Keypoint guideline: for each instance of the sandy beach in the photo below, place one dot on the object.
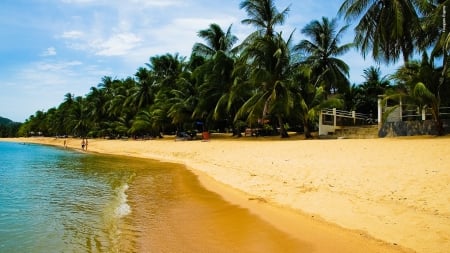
(344, 195)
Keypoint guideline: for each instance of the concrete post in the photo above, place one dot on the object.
(334, 118)
(380, 112)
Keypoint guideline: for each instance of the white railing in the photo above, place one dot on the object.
(332, 119)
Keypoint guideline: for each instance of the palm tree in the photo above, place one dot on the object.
(264, 15)
(142, 93)
(387, 28)
(269, 60)
(166, 69)
(421, 80)
(322, 50)
(216, 40)
(268, 57)
(310, 97)
(79, 117)
(436, 34)
(374, 85)
(214, 78)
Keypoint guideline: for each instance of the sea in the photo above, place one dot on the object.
(63, 200)
(56, 200)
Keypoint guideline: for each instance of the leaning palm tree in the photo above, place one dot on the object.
(322, 50)
(386, 28)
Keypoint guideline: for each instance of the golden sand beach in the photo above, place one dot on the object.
(344, 195)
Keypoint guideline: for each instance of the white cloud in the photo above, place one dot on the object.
(118, 44)
(72, 34)
(51, 51)
(140, 3)
(56, 66)
(157, 3)
(42, 85)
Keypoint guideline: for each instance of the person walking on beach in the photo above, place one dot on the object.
(83, 143)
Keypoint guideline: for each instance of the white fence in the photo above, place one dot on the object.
(332, 119)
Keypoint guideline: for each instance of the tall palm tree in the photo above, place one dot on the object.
(214, 77)
(386, 28)
(143, 92)
(215, 40)
(322, 50)
(79, 117)
(269, 60)
(268, 57)
(166, 69)
(264, 15)
(95, 101)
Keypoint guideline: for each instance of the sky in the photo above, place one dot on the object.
(49, 48)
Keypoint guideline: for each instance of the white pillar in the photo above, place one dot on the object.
(334, 118)
(380, 112)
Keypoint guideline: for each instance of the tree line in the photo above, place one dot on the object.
(268, 80)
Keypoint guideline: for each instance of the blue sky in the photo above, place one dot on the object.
(52, 47)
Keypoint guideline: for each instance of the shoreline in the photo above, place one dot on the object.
(394, 190)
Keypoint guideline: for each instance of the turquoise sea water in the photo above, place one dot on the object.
(56, 200)
(60, 200)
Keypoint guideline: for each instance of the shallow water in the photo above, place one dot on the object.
(58, 200)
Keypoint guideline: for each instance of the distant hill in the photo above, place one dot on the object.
(5, 121)
(8, 128)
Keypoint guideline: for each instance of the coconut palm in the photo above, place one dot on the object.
(142, 93)
(166, 69)
(264, 15)
(386, 28)
(421, 81)
(322, 50)
(214, 77)
(216, 40)
(436, 16)
(374, 85)
(269, 60)
(79, 117)
(310, 96)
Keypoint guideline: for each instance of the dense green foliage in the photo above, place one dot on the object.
(268, 81)
(8, 128)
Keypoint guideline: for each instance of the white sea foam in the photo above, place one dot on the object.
(122, 209)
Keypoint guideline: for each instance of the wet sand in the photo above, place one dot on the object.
(379, 195)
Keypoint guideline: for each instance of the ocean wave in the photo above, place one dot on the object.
(122, 209)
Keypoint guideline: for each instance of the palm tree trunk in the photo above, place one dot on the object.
(283, 132)
(306, 129)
